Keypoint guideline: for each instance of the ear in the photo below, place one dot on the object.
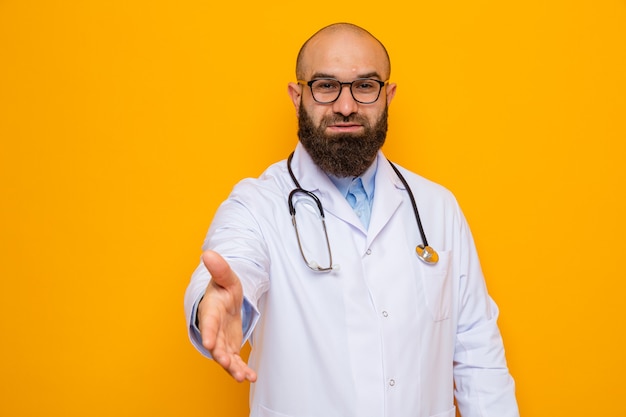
(295, 92)
(390, 92)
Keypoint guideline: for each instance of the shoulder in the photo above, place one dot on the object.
(423, 187)
(271, 183)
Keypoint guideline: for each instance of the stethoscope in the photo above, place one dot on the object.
(424, 252)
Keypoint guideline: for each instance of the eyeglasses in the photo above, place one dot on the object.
(328, 90)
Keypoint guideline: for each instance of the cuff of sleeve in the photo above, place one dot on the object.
(249, 317)
(194, 332)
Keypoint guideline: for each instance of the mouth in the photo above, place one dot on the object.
(344, 128)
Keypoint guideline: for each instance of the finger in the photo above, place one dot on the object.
(240, 370)
(209, 328)
(210, 318)
(229, 359)
(218, 268)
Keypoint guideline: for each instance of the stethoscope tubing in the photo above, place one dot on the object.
(413, 203)
(425, 253)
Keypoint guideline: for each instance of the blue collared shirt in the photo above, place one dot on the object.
(368, 177)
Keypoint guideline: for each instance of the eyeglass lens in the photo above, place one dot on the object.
(364, 90)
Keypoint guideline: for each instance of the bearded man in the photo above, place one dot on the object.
(322, 263)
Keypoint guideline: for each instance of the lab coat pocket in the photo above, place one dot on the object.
(266, 412)
(437, 284)
(449, 413)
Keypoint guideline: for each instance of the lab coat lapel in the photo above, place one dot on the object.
(388, 195)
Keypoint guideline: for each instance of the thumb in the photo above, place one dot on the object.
(219, 269)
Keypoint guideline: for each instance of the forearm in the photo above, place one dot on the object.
(483, 384)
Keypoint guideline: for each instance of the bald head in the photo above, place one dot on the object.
(342, 33)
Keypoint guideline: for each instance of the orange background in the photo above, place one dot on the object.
(123, 124)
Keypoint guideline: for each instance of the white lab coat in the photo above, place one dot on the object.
(384, 334)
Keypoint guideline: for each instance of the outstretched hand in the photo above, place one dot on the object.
(219, 317)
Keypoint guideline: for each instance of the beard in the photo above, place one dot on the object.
(344, 154)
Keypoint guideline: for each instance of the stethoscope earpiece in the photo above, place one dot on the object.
(427, 254)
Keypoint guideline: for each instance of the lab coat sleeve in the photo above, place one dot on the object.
(483, 384)
(235, 235)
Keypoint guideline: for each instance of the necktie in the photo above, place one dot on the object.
(357, 198)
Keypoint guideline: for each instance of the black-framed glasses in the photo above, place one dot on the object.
(328, 90)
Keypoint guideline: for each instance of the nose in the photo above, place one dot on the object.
(345, 103)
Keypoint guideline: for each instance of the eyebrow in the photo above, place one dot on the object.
(372, 74)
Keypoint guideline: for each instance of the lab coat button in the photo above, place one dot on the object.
(385, 314)
(392, 382)
(368, 252)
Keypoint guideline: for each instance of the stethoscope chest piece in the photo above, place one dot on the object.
(427, 254)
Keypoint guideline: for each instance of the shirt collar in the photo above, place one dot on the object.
(343, 183)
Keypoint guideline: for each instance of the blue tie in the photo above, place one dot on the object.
(357, 198)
